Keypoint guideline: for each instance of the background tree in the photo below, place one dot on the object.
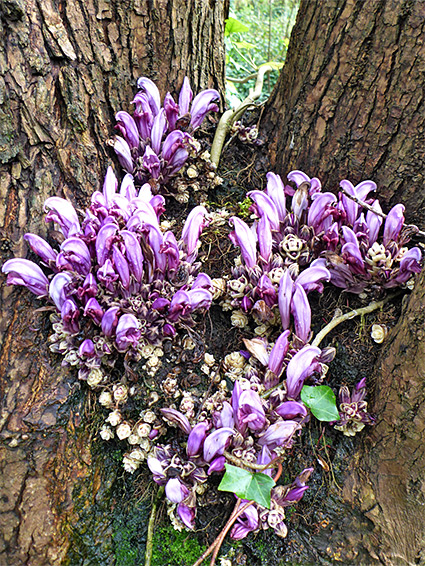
(65, 69)
(349, 104)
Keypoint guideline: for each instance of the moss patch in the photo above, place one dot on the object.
(174, 548)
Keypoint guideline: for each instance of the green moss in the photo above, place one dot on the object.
(174, 548)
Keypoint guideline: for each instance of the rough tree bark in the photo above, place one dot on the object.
(65, 69)
(349, 104)
(349, 101)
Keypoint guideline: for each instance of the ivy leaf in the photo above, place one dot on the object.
(234, 26)
(321, 401)
(247, 485)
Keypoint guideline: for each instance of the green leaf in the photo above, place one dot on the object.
(234, 26)
(247, 485)
(321, 401)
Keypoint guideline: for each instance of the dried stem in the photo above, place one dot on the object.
(151, 525)
(352, 314)
(230, 116)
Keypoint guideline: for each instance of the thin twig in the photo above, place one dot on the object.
(151, 525)
(352, 314)
(377, 212)
(240, 462)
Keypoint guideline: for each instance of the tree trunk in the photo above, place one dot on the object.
(65, 69)
(349, 104)
(349, 101)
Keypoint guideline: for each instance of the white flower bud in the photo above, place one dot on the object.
(114, 418)
(143, 430)
(94, 378)
(234, 362)
(133, 439)
(379, 332)
(105, 399)
(123, 431)
(120, 393)
(209, 359)
(219, 287)
(106, 433)
(149, 417)
(192, 172)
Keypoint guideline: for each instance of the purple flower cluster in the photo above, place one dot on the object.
(353, 410)
(156, 141)
(348, 247)
(245, 428)
(117, 281)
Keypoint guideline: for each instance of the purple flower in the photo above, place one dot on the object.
(121, 266)
(193, 227)
(276, 192)
(175, 490)
(41, 248)
(77, 255)
(216, 443)
(185, 97)
(243, 237)
(299, 368)
(156, 468)
(265, 240)
(127, 332)
(199, 298)
(278, 353)
(63, 213)
(94, 310)
(266, 291)
(133, 253)
(109, 321)
(70, 315)
(279, 434)
(171, 110)
(250, 411)
(360, 191)
(374, 222)
(264, 206)
(159, 127)
(196, 439)
(201, 105)
(177, 418)
(59, 288)
(217, 465)
(393, 224)
(104, 241)
(27, 273)
(128, 128)
(151, 91)
(187, 515)
(86, 349)
(291, 410)
(122, 149)
(151, 162)
(300, 308)
(246, 522)
(311, 278)
(286, 289)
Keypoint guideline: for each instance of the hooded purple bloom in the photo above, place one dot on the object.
(320, 210)
(86, 349)
(173, 142)
(127, 332)
(110, 321)
(151, 162)
(286, 289)
(393, 224)
(193, 227)
(128, 128)
(177, 418)
(199, 298)
(279, 434)
(171, 110)
(201, 105)
(276, 191)
(104, 241)
(299, 368)
(300, 308)
(121, 266)
(185, 97)
(63, 213)
(264, 206)
(374, 222)
(151, 91)
(409, 264)
(187, 515)
(175, 490)
(216, 443)
(108, 276)
(291, 410)
(243, 237)
(196, 439)
(246, 523)
(265, 240)
(266, 291)
(159, 127)
(59, 288)
(217, 465)
(27, 273)
(122, 149)
(360, 191)
(143, 115)
(41, 248)
(76, 253)
(311, 278)
(156, 468)
(133, 253)
(250, 411)
(179, 306)
(94, 310)
(278, 353)
(70, 315)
